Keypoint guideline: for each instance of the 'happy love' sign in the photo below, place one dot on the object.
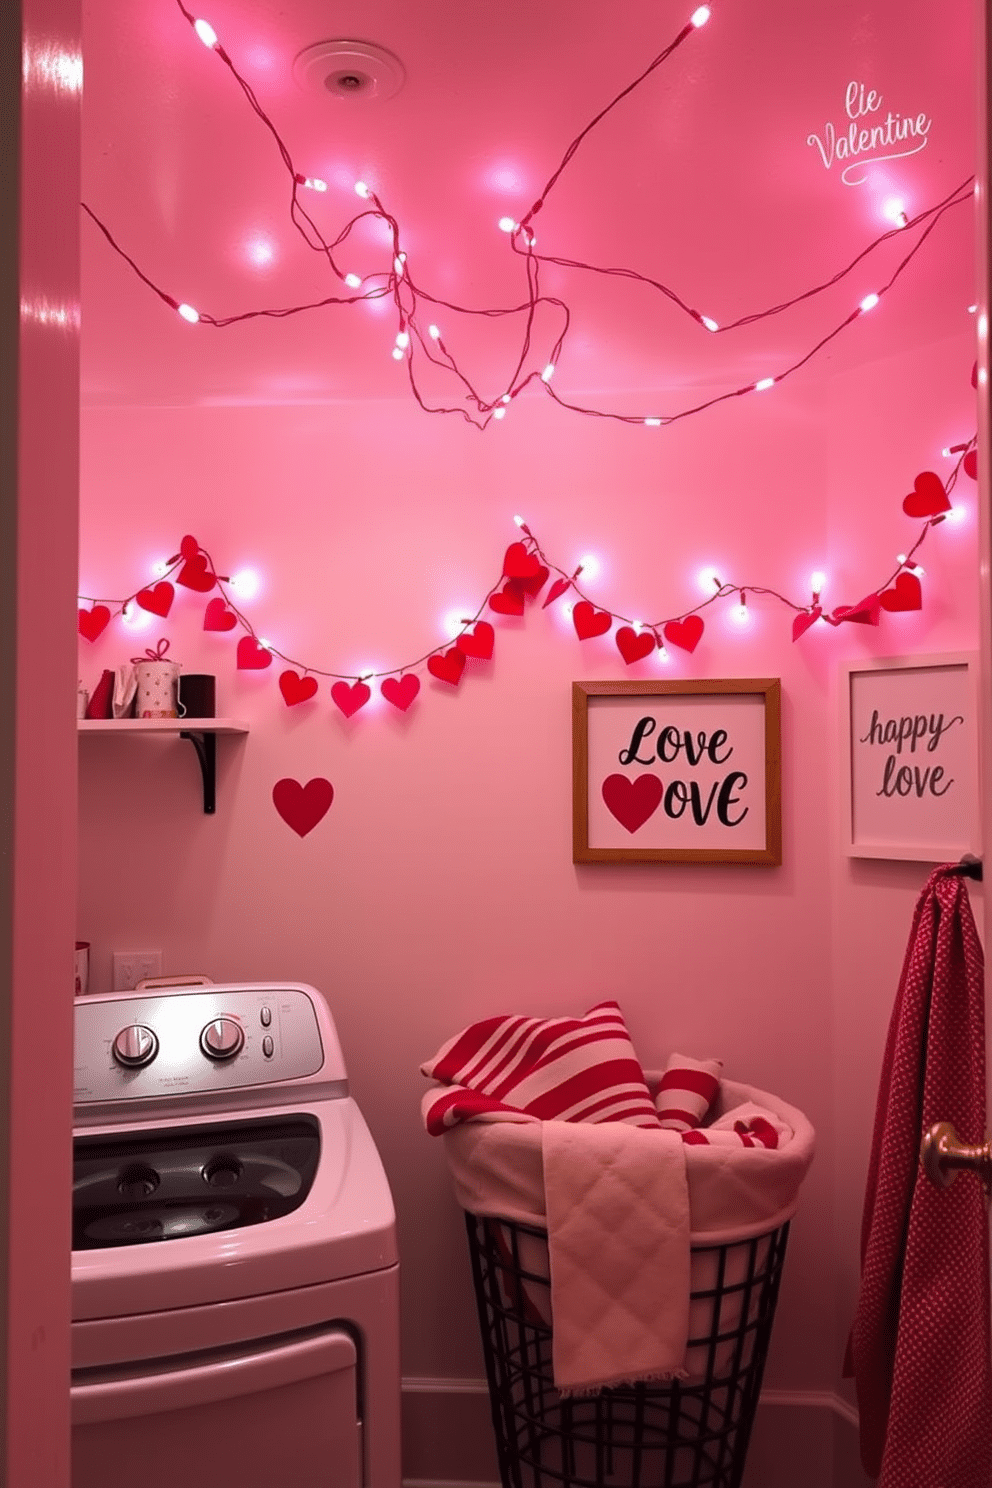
(676, 771)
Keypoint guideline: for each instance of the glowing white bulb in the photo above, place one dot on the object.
(972, 309)
(403, 339)
(739, 614)
(505, 398)
(499, 413)
(245, 584)
(134, 617)
(895, 211)
(637, 625)
(955, 515)
(362, 190)
(869, 302)
(701, 16)
(652, 423)
(519, 521)
(398, 262)
(188, 313)
(589, 565)
(818, 582)
(397, 353)
(506, 224)
(315, 183)
(353, 281)
(900, 557)
(265, 643)
(709, 323)
(763, 383)
(708, 580)
(663, 655)
(434, 332)
(548, 372)
(206, 33)
(160, 569)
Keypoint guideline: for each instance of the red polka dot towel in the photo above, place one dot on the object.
(919, 1346)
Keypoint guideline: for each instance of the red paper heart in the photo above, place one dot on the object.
(479, 641)
(296, 689)
(519, 563)
(632, 801)
(906, 594)
(447, 666)
(634, 645)
(970, 464)
(927, 497)
(196, 575)
(686, 634)
(401, 691)
(94, 622)
(251, 656)
(589, 621)
(532, 585)
(218, 617)
(804, 620)
(558, 588)
(865, 612)
(507, 601)
(974, 375)
(302, 806)
(350, 696)
(158, 600)
(189, 547)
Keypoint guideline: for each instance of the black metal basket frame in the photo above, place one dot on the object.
(691, 1434)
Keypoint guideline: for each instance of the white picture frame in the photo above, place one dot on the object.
(909, 753)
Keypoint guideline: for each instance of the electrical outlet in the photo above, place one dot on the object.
(132, 967)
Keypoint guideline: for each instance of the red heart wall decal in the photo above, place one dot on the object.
(401, 691)
(447, 666)
(479, 641)
(518, 563)
(927, 497)
(632, 801)
(302, 806)
(251, 656)
(351, 696)
(218, 617)
(196, 575)
(296, 689)
(157, 600)
(970, 464)
(589, 621)
(508, 600)
(634, 645)
(94, 622)
(804, 620)
(906, 594)
(686, 634)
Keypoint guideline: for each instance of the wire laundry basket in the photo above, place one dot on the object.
(685, 1434)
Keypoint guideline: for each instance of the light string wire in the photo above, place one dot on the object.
(399, 285)
(566, 581)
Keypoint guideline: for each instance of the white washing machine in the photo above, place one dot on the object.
(235, 1280)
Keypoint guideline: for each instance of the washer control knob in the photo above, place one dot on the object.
(222, 1172)
(134, 1046)
(222, 1039)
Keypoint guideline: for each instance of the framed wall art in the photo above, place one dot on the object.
(677, 772)
(909, 752)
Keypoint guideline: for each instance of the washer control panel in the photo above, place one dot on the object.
(188, 1043)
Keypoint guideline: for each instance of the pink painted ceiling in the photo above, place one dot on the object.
(706, 177)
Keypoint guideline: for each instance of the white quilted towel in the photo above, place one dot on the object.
(617, 1204)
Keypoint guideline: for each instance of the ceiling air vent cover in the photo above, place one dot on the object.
(349, 69)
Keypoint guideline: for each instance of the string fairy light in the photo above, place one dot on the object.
(397, 283)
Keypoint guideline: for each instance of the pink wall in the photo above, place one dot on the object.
(440, 886)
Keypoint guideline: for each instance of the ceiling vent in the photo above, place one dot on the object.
(349, 70)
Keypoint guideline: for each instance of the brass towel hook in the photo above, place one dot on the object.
(944, 1156)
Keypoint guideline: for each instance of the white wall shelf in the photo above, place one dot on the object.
(201, 733)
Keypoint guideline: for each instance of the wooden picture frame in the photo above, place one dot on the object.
(677, 772)
(909, 758)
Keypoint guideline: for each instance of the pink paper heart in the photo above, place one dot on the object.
(632, 801)
(804, 620)
(589, 621)
(251, 656)
(218, 617)
(686, 634)
(447, 666)
(634, 645)
(351, 696)
(478, 641)
(93, 622)
(158, 599)
(302, 806)
(927, 498)
(400, 691)
(905, 594)
(296, 689)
